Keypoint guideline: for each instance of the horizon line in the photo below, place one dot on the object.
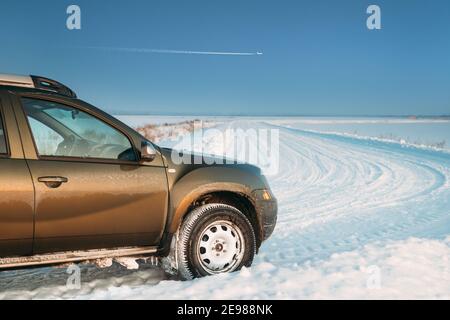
(284, 115)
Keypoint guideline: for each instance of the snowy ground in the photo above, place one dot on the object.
(358, 218)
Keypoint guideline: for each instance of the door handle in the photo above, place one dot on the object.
(53, 182)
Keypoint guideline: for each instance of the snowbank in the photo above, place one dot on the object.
(408, 269)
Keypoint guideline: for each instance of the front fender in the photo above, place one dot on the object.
(201, 181)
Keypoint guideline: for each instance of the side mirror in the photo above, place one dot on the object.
(148, 152)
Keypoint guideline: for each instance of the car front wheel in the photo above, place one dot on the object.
(214, 238)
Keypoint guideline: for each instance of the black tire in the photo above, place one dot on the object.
(197, 232)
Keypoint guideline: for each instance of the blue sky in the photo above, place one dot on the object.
(319, 57)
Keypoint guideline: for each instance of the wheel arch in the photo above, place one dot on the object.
(240, 201)
(235, 195)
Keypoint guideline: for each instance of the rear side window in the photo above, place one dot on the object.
(3, 149)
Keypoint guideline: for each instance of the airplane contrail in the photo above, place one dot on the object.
(144, 50)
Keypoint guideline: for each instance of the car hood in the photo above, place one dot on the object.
(192, 160)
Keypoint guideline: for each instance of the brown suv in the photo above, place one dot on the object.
(77, 184)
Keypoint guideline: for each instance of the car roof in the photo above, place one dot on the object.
(16, 80)
(35, 83)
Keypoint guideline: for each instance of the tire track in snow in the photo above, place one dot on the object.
(340, 194)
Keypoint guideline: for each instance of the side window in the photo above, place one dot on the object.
(62, 131)
(47, 139)
(3, 149)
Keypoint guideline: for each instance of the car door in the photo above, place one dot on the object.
(16, 188)
(91, 190)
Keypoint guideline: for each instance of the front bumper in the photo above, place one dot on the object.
(267, 208)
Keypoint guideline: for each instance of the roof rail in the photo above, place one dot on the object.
(52, 85)
(36, 82)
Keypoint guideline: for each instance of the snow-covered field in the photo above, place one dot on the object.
(358, 218)
(424, 132)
